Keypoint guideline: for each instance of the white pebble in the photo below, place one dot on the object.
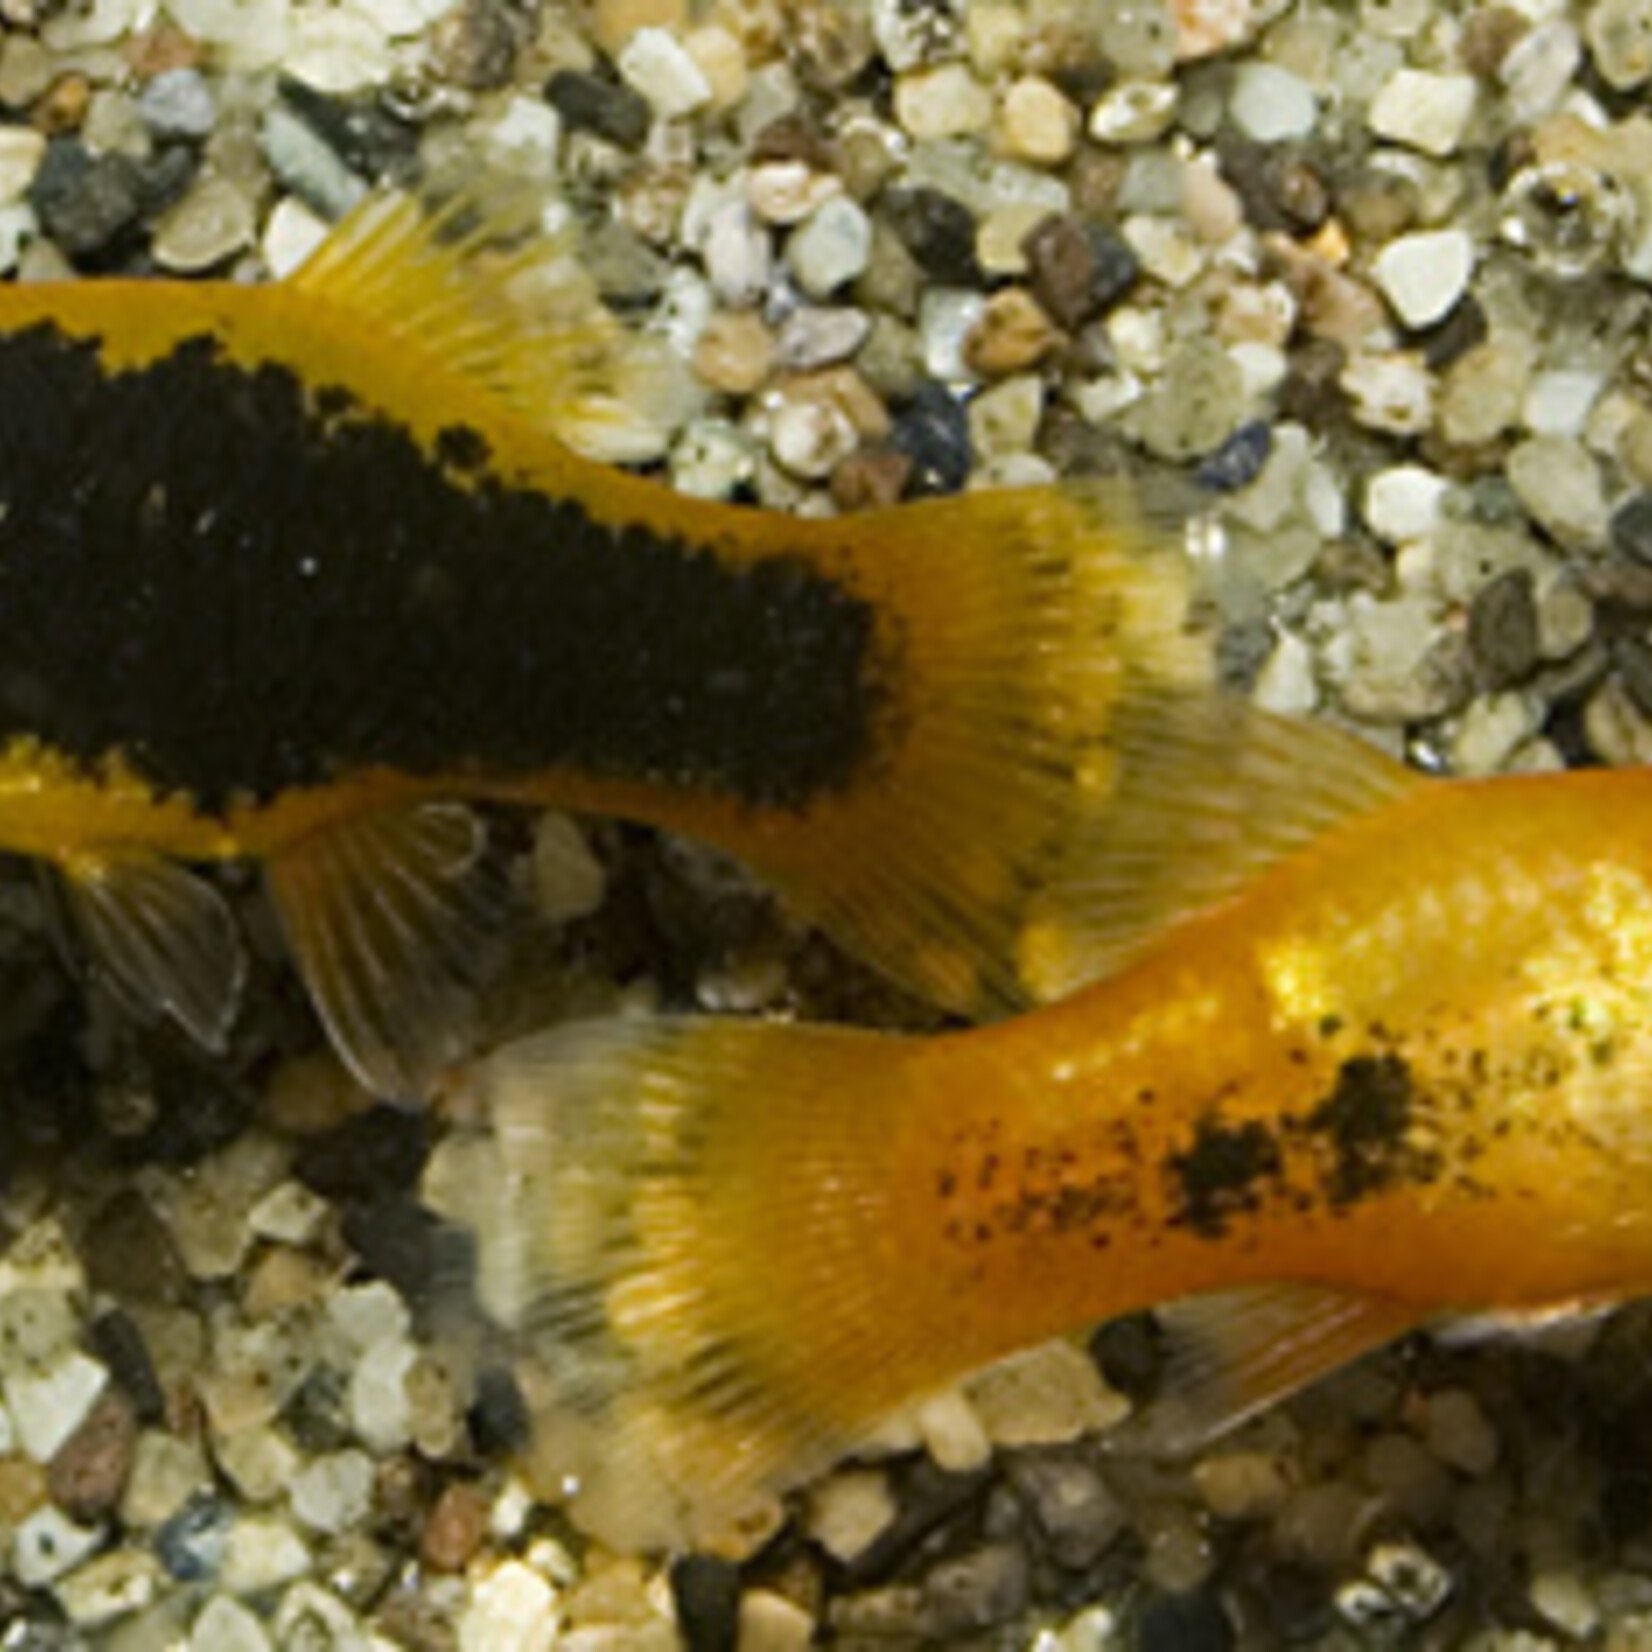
(370, 1313)
(1271, 104)
(224, 1625)
(291, 235)
(289, 1213)
(830, 247)
(114, 1585)
(1403, 502)
(1037, 123)
(656, 64)
(381, 1410)
(1389, 392)
(1539, 70)
(738, 260)
(1423, 110)
(1424, 274)
(1133, 112)
(848, 1512)
(946, 318)
(336, 51)
(1168, 253)
(47, 1544)
(21, 152)
(810, 436)
(817, 335)
(952, 1432)
(1286, 682)
(1559, 400)
(1620, 41)
(769, 1622)
(48, 1406)
(334, 1492)
(527, 132)
(1557, 480)
(262, 1553)
(513, 1609)
(1045, 1396)
(943, 102)
(1570, 1603)
(1488, 732)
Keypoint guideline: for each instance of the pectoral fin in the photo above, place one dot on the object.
(1232, 1354)
(160, 936)
(394, 922)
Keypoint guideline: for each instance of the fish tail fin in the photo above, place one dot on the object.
(683, 1220)
(1061, 776)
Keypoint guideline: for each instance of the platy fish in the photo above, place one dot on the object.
(1372, 1050)
(294, 571)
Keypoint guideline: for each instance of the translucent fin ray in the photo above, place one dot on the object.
(394, 921)
(1232, 1354)
(161, 936)
(477, 279)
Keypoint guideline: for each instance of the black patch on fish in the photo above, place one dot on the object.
(1220, 1174)
(1366, 1121)
(245, 585)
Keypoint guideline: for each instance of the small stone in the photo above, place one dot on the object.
(1133, 112)
(1403, 1585)
(1074, 1508)
(933, 432)
(938, 231)
(289, 1213)
(1270, 104)
(88, 1474)
(1286, 683)
(512, 1609)
(1458, 1432)
(1488, 734)
(1239, 460)
(1503, 628)
(909, 35)
(178, 103)
(47, 1406)
(947, 318)
(166, 1472)
(848, 1512)
(455, 1528)
(1559, 400)
(943, 102)
(1568, 1601)
(291, 233)
(1631, 527)
(47, 1544)
(1036, 123)
(1012, 333)
(224, 1625)
(114, 1585)
(1195, 406)
(831, 247)
(737, 256)
(1423, 275)
(1424, 110)
(1557, 480)
(334, 1492)
(84, 202)
(657, 65)
(259, 1462)
(1004, 420)
(809, 437)
(1043, 1397)
(1392, 392)
(380, 1406)
(589, 103)
(1165, 249)
(263, 1553)
(818, 335)
(787, 190)
(1482, 392)
(978, 1590)
(569, 881)
(769, 1622)
(1193, 1622)
(1243, 1485)
(22, 149)
(192, 1544)
(1619, 33)
(1402, 503)
(1538, 70)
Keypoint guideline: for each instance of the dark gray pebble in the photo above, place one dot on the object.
(129, 1254)
(933, 432)
(499, 1420)
(362, 133)
(1502, 628)
(938, 231)
(1633, 658)
(706, 1592)
(1129, 1353)
(426, 1259)
(191, 1544)
(117, 1341)
(589, 103)
(1239, 460)
(1631, 527)
(370, 1156)
(1073, 1507)
(1463, 327)
(1076, 269)
(85, 203)
(986, 1587)
(1184, 1623)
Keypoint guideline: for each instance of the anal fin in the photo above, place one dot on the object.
(161, 937)
(394, 921)
(1232, 1354)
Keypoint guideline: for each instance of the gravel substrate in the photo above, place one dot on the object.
(1360, 291)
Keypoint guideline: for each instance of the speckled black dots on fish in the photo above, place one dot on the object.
(432, 622)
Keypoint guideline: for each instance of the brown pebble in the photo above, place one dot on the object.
(455, 1529)
(1013, 333)
(88, 1474)
(1311, 393)
(22, 1490)
(1376, 206)
(312, 1094)
(870, 478)
(129, 1253)
(63, 108)
(157, 50)
(793, 137)
(734, 352)
(284, 1279)
(1489, 34)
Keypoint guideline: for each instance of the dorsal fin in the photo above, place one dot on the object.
(477, 279)
(1201, 792)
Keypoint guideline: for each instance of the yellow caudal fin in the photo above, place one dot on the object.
(1061, 778)
(684, 1220)
(477, 280)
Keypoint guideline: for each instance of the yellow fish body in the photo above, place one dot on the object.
(1375, 1051)
(288, 571)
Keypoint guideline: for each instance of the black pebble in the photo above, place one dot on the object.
(707, 1596)
(1463, 327)
(1631, 527)
(1184, 1623)
(588, 103)
(499, 1420)
(1296, 1602)
(370, 1156)
(165, 176)
(938, 231)
(198, 1106)
(933, 432)
(1239, 460)
(1129, 1353)
(86, 203)
(410, 1248)
(1502, 628)
(117, 1341)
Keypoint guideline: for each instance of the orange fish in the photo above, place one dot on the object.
(290, 572)
(1373, 1050)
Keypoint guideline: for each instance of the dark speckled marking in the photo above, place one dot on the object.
(1366, 1120)
(1220, 1175)
(244, 585)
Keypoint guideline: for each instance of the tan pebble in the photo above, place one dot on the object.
(720, 57)
(1204, 27)
(22, 1490)
(1489, 34)
(455, 1529)
(284, 1279)
(1001, 235)
(89, 1472)
(870, 480)
(734, 352)
(64, 106)
(311, 1094)
(845, 389)
(761, 26)
(769, 1622)
(615, 22)
(1036, 123)
(1012, 333)
(1635, 446)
